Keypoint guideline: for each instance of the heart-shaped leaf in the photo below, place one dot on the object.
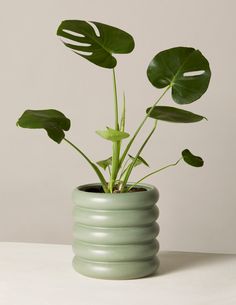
(139, 161)
(112, 134)
(175, 115)
(53, 121)
(95, 41)
(186, 70)
(192, 159)
(105, 163)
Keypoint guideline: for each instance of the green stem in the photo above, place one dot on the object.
(95, 168)
(152, 173)
(115, 145)
(124, 169)
(122, 121)
(131, 166)
(140, 127)
(115, 100)
(109, 170)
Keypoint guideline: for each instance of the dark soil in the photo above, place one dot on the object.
(99, 189)
(137, 189)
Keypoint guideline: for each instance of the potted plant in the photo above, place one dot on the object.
(115, 220)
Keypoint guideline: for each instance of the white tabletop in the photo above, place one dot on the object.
(41, 274)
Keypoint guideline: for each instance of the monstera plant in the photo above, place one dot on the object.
(183, 71)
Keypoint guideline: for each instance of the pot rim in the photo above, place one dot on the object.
(146, 186)
(115, 201)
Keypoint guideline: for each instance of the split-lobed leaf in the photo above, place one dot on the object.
(95, 41)
(191, 159)
(184, 69)
(175, 115)
(53, 121)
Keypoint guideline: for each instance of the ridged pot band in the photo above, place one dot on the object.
(115, 234)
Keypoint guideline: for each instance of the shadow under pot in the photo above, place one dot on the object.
(115, 234)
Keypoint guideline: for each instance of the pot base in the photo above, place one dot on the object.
(116, 270)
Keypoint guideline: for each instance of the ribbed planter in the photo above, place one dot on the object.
(115, 234)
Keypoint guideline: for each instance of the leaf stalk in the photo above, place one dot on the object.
(140, 126)
(116, 144)
(93, 165)
(152, 173)
(131, 166)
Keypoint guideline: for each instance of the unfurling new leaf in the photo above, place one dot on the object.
(139, 161)
(112, 134)
(105, 163)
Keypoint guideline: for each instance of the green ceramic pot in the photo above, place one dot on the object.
(115, 234)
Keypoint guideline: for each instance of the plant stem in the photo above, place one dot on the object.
(122, 121)
(95, 168)
(124, 169)
(131, 166)
(115, 145)
(115, 100)
(140, 126)
(152, 173)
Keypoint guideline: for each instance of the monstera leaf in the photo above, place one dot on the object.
(139, 161)
(53, 121)
(112, 134)
(105, 163)
(95, 41)
(175, 115)
(192, 159)
(185, 70)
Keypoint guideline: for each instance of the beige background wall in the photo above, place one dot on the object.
(198, 206)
